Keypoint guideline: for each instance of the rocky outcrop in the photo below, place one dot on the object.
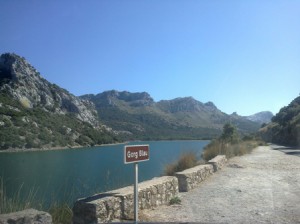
(24, 83)
(28, 216)
(111, 98)
(35, 113)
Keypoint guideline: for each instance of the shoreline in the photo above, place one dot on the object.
(57, 148)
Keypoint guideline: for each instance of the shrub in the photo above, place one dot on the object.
(186, 161)
(213, 149)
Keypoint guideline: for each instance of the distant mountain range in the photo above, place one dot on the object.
(137, 116)
(35, 113)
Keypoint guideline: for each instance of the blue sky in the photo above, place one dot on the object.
(242, 55)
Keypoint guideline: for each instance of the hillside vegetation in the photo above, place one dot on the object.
(230, 144)
(285, 126)
(35, 128)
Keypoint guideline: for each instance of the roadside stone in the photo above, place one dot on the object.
(218, 162)
(191, 178)
(28, 216)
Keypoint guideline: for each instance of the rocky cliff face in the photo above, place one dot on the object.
(37, 114)
(261, 117)
(24, 83)
(111, 98)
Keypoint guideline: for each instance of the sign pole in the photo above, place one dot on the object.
(135, 154)
(136, 192)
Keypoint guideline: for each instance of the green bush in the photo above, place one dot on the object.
(175, 200)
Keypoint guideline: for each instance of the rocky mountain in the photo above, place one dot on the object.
(263, 117)
(24, 83)
(37, 113)
(284, 127)
(137, 116)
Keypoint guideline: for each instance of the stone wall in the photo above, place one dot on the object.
(191, 178)
(118, 204)
(28, 216)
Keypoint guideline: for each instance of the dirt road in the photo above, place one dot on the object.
(262, 187)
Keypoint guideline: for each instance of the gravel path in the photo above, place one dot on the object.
(261, 187)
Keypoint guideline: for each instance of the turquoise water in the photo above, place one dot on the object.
(73, 173)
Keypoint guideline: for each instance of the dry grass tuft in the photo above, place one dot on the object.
(186, 161)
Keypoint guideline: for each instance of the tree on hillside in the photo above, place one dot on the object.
(229, 134)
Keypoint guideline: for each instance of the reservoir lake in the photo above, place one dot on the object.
(69, 174)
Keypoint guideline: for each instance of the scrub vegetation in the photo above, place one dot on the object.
(230, 144)
(25, 128)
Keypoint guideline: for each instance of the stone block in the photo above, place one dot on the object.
(28, 216)
(190, 178)
(98, 208)
(218, 162)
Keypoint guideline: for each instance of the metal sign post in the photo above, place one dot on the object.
(136, 192)
(135, 154)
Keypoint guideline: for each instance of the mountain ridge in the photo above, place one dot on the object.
(175, 114)
(35, 113)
